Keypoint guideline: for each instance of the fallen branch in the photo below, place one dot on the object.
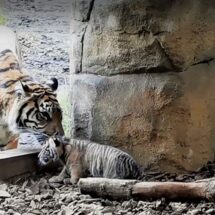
(107, 188)
(127, 189)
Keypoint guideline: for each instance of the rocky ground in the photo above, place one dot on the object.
(43, 32)
(34, 195)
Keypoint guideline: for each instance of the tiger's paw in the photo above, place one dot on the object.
(52, 148)
(56, 179)
(67, 181)
(48, 153)
(74, 180)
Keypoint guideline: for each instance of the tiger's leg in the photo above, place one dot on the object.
(12, 144)
(7, 139)
(76, 172)
(60, 177)
(52, 148)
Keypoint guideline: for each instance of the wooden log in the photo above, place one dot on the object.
(126, 189)
(173, 190)
(106, 188)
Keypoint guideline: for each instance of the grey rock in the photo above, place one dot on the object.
(4, 194)
(210, 211)
(126, 204)
(3, 187)
(148, 115)
(81, 9)
(194, 212)
(162, 123)
(116, 40)
(178, 208)
(2, 212)
(141, 36)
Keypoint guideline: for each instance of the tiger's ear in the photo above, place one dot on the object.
(22, 89)
(26, 88)
(53, 83)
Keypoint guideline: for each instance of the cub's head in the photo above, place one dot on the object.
(51, 151)
(36, 109)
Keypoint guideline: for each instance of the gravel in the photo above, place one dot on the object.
(35, 195)
(43, 32)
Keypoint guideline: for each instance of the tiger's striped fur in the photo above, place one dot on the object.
(84, 158)
(25, 105)
(28, 141)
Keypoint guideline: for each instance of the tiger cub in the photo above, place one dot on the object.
(25, 105)
(83, 158)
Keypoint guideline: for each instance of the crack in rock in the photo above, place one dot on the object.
(138, 32)
(175, 68)
(160, 33)
(204, 61)
(90, 11)
(85, 29)
(82, 49)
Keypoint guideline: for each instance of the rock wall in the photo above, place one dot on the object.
(143, 79)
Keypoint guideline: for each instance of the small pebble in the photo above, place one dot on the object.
(194, 212)
(4, 194)
(210, 211)
(2, 212)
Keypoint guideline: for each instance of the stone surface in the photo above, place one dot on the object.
(142, 36)
(63, 96)
(137, 98)
(164, 120)
(4, 194)
(3, 187)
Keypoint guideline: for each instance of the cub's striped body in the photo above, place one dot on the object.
(83, 158)
(25, 105)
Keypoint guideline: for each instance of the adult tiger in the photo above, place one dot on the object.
(83, 158)
(26, 105)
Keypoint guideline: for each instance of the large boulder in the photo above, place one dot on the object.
(164, 120)
(134, 36)
(63, 96)
(149, 87)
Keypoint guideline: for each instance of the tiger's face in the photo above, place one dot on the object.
(36, 109)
